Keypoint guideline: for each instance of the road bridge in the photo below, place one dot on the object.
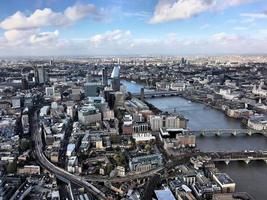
(156, 93)
(228, 132)
(246, 156)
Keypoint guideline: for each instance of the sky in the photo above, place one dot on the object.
(132, 27)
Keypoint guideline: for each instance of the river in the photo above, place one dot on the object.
(251, 178)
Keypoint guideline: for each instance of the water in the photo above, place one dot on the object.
(200, 116)
(251, 178)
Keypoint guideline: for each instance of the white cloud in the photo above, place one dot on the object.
(17, 36)
(47, 17)
(44, 38)
(115, 36)
(123, 42)
(29, 38)
(168, 10)
(251, 17)
(225, 38)
(79, 11)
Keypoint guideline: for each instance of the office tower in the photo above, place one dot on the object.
(91, 89)
(24, 82)
(142, 94)
(115, 76)
(104, 76)
(41, 75)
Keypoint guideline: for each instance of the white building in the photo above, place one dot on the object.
(258, 122)
(143, 137)
(259, 90)
(49, 91)
(70, 149)
(156, 122)
(88, 115)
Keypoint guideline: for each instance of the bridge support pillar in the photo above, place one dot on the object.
(265, 161)
(234, 133)
(227, 162)
(218, 133)
(247, 161)
(249, 133)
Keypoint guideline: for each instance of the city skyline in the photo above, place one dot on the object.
(118, 27)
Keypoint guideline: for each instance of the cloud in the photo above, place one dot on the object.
(114, 36)
(123, 42)
(169, 10)
(254, 16)
(47, 17)
(79, 11)
(17, 36)
(224, 38)
(29, 38)
(44, 38)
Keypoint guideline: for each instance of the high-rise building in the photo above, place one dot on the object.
(41, 75)
(142, 94)
(24, 82)
(115, 76)
(91, 89)
(104, 76)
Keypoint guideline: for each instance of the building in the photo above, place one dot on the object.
(91, 89)
(161, 121)
(156, 123)
(16, 102)
(164, 194)
(140, 127)
(225, 182)
(127, 127)
(175, 139)
(70, 150)
(261, 90)
(85, 144)
(25, 123)
(143, 137)
(104, 76)
(89, 115)
(145, 162)
(29, 169)
(41, 75)
(258, 122)
(49, 91)
(115, 79)
(72, 164)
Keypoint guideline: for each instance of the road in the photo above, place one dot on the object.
(124, 179)
(59, 172)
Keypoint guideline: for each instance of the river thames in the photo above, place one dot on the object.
(252, 177)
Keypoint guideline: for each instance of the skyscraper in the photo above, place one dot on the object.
(115, 76)
(104, 76)
(41, 75)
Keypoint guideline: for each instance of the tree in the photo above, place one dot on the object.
(119, 158)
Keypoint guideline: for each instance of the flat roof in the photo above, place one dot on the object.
(165, 194)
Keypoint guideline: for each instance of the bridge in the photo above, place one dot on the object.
(228, 132)
(246, 156)
(153, 94)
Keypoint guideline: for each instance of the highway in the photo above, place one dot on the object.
(59, 172)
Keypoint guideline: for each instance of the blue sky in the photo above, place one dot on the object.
(123, 27)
